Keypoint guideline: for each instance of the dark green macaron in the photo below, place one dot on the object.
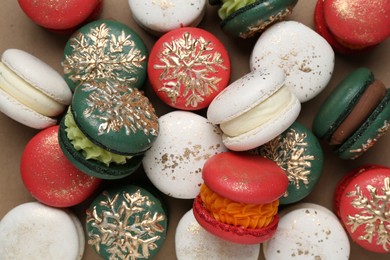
(354, 115)
(105, 49)
(299, 153)
(126, 222)
(108, 128)
(249, 17)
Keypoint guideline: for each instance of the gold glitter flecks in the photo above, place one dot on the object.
(187, 64)
(289, 153)
(163, 4)
(100, 54)
(118, 106)
(128, 231)
(370, 141)
(374, 215)
(194, 228)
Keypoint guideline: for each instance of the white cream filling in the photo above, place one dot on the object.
(258, 115)
(27, 94)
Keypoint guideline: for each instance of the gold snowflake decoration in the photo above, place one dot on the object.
(370, 141)
(127, 231)
(100, 54)
(118, 106)
(289, 153)
(188, 63)
(374, 213)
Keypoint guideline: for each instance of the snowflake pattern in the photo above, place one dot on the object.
(289, 153)
(117, 106)
(374, 213)
(104, 57)
(189, 62)
(128, 231)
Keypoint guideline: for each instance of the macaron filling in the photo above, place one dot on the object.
(260, 114)
(27, 94)
(367, 103)
(230, 6)
(253, 216)
(90, 150)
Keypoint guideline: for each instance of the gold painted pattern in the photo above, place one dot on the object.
(374, 215)
(100, 54)
(188, 64)
(118, 106)
(128, 230)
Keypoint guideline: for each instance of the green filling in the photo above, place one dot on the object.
(89, 149)
(230, 6)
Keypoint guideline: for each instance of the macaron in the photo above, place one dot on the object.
(105, 49)
(362, 204)
(61, 16)
(308, 231)
(298, 152)
(248, 18)
(354, 24)
(239, 199)
(49, 176)
(126, 222)
(355, 115)
(108, 128)
(254, 109)
(306, 58)
(35, 231)
(194, 242)
(159, 17)
(31, 92)
(188, 67)
(174, 163)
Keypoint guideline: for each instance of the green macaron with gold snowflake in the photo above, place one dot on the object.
(108, 127)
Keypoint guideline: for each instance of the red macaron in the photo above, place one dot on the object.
(362, 203)
(49, 176)
(188, 67)
(61, 16)
(239, 199)
(352, 26)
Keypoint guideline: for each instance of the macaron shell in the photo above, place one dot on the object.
(256, 17)
(188, 67)
(298, 152)
(244, 178)
(265, 132)
(193, 241)
(308, 233)
(244, 94)
(306, 58)
(31, 231)
(49, 176)
(159, 17)
(362, 208)
(357, 22)
(174, 163)
(107, 42)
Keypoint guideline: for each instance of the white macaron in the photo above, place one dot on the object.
(306, 57)
(174, 163)
(161, 16)
(31, 92)
(35, 231)
(308, 231)
(194, 242)
(254, 109)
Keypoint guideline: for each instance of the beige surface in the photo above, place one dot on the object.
(19, 32)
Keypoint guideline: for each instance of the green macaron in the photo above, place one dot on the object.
(354, 115)
(105, 49)
(107, 129)
(126, 222)
(248, 17)
(298, 152)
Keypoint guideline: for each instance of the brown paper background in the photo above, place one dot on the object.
(17, 31)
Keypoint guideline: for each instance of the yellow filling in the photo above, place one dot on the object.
(230, 6)
(238, 214)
